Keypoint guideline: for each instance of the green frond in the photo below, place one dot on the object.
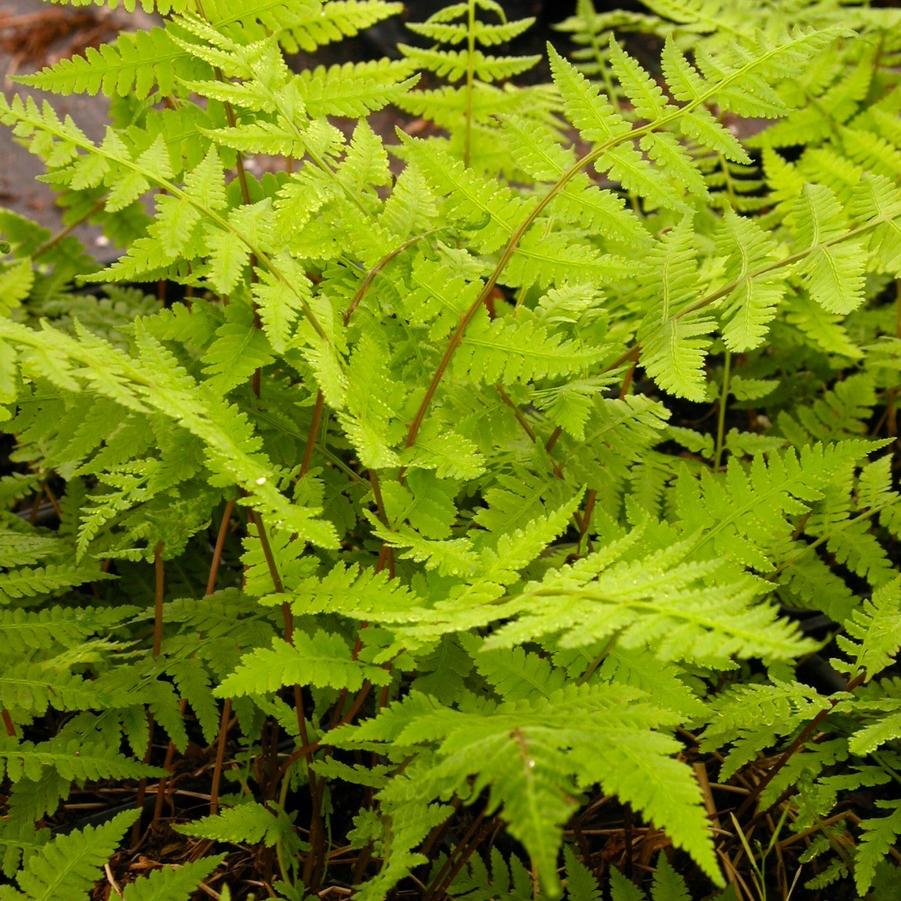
(353, 89)
(174, 883)
(163, 7)
(623, 889)
(668, 884)
(450, 556)
(237, 349)
(508, 879)
(580, 882)
(672, 334)
(586, 108)
(68, 865)
(490, 209)
(450, 454)
(751, 305)
(517, 675)
(874, 735)
(21, 548)
(643, 92)
(454, 64)
(519, 350)
(874, 632)
(879, 835)
(752, 718)
(832, 273)
(680, 610)
(232, 449)
(70, 759)
(322, 659)
(840, 413)
(309, 25)
(22, 630)
(533, 758)
(33, 687)
(136, 63)
(27, 582)
(745, 516)
(247, 822)
(355, 593)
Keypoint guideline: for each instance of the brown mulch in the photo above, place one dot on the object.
(38, 39)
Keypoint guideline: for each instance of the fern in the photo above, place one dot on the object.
(69, 864)
(171, 882)
(533, 767)
(879, 834)
(244, 823)
(466, 111)
(318, 660)
(872, 640)
(493, 485)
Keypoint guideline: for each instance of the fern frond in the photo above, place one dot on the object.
(672, 335)
(580, 882)
(248, 822)
(67, 626)
(353, 89)
(175, 883)
(833, 273)
(454, 64)
(26, 582)
(752, 303)
(874, 632)
(355, 593)
(744, 517)
(68, 865)
(879, 835)
(657, 602)
(322, 659)
(490, 209)
(307, 26)
(507, 351)
(752, 717)
(135, 63)
(231, 447)
(529, 757)
(71, 759)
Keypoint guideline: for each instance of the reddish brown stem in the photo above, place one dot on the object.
(220, 756)
(348, 717)
(167, 766)
(627, 381)
(8, 723)
(142, 787)
(287, 614)
(213, 576)
(520, 417)
(553, 438)
(310, 446)
(590, 500)
(315, 854)
(460, 852)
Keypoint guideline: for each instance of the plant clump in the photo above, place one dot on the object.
(500, 508)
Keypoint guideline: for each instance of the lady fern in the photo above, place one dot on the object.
(478, 480)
